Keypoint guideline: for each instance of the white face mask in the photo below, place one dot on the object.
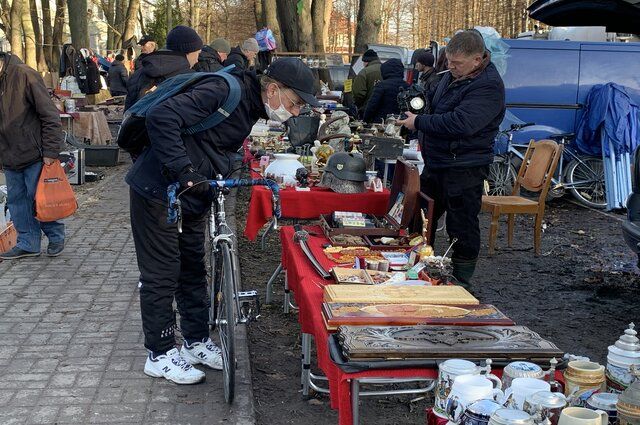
(281, 114)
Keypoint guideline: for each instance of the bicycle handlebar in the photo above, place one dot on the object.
(516, 127)
(174, 214)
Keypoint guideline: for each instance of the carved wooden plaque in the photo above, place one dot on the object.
(399, 294)
(438, 342)
(337, 314)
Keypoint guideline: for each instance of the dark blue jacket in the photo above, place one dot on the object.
(384, 100)
(464, 120)
(210, 152)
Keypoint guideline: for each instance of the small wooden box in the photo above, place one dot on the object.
(8, 238)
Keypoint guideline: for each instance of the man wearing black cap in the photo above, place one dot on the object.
(172, 264)
(147, 45)
(366, 79)
(181, 53)
(424, 65)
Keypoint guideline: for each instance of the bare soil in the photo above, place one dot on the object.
(581, 294)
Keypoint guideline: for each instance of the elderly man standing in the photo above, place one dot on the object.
(212, 56)
(242, 57)
(30, 135)
(457, 136)
(147, 45)
(366, 79)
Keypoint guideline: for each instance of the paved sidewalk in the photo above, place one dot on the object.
(72, 335)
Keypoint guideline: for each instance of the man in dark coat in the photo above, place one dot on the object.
(457, 143)
(118, 77)
(172, 264)
(384, 100)
(30, 136)
(366, 79)
(242, 57)
(183, 48)
(424, 65)
(212, 57)
(147, 46)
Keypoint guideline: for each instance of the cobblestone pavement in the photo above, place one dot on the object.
(73, 352)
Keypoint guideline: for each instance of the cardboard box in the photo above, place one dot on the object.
(8, 238)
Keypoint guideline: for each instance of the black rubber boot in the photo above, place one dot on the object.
(463, 271)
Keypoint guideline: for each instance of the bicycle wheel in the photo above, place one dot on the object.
(501, 178)
(226, 320)
(586, 181)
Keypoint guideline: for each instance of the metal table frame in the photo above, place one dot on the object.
(307, 379)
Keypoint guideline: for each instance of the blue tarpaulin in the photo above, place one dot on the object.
(609, 128)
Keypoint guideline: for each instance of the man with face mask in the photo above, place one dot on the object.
(172, 264)
(467, 107)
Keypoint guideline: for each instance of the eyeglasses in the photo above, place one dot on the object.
(294, 104)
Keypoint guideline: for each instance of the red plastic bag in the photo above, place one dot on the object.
(54, 197)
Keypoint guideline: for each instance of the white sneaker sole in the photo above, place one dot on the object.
(193, 360)
(154, 374)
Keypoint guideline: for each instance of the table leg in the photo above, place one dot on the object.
(272, 279)
(288, 305)
(264, 236)
(355, 398)
(305, 376)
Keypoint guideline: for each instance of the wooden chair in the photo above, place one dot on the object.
(536, 172)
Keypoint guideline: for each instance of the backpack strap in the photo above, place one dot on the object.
(230, 104)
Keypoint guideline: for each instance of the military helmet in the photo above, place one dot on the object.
(345, 173)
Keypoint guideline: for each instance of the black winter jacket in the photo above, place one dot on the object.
(208, 61)
(384, 99)
(464, 120)
(118, 78)
(29, 121)
(155, 68)
(237, 58)
(210, 152)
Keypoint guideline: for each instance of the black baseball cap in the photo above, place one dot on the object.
(145, 39)
(295, 75)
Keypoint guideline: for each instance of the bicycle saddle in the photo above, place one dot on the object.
(561, 136)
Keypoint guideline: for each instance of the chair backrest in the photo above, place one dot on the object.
(538, 166)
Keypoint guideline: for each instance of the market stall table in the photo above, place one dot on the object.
(308, 288)
(92, 126)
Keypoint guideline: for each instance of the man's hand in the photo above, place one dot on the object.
(190, 178)
(409, 122)
(48, 161)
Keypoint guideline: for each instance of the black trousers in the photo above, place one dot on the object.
(172, 265)
(458, 192)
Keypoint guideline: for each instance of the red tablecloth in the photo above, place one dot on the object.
(307, 287)
(309, 205)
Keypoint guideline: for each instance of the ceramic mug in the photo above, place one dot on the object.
(521, 388)
(448, 371)
(583, 416)
(468, 389)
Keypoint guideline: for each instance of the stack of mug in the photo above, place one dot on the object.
(468, 394)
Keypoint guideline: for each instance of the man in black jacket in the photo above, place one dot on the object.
(457, 143)
(183, 48)
(30, 136)
(118, 77)
(147, 46)
(424, 65)
(172, 264)
(212, 57)
(242, 57)
(384, 99)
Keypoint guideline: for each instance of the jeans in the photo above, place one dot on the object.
(21, 188)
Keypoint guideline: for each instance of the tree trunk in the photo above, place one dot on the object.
(78, 23)
(169, 16)
(289, 24)
(271, 21)
(5, 17)
(259, 12)
(35, 22)
(368, 24)
(118, 23)
(16, 28)
(194, 14)
(305, 26)
(207, 25)
(58, 26)
(29, 37)
(130, 21)
(47, 33)
(143, 30)
(109, 15)
(320, 16)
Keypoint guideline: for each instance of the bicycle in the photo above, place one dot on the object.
(228, 306)
(583, 175)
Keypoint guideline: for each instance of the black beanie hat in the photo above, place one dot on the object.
(369, 56)
(184, 39)
(425, 58)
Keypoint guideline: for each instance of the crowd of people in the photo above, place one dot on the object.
(467, 104)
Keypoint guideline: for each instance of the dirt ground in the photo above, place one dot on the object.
(580, 294)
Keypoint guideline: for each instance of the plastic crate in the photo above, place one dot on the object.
(101, 156)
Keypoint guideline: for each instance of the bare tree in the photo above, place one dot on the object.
(47, 34)
(58, 27)
(30, 57)
(78, 23)
(259, 11)
(320, 16)
(271, 20)
(130, 21)
(15, 36)
(368, 24)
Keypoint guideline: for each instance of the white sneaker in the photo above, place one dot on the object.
(173, 367)
(206, 353)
